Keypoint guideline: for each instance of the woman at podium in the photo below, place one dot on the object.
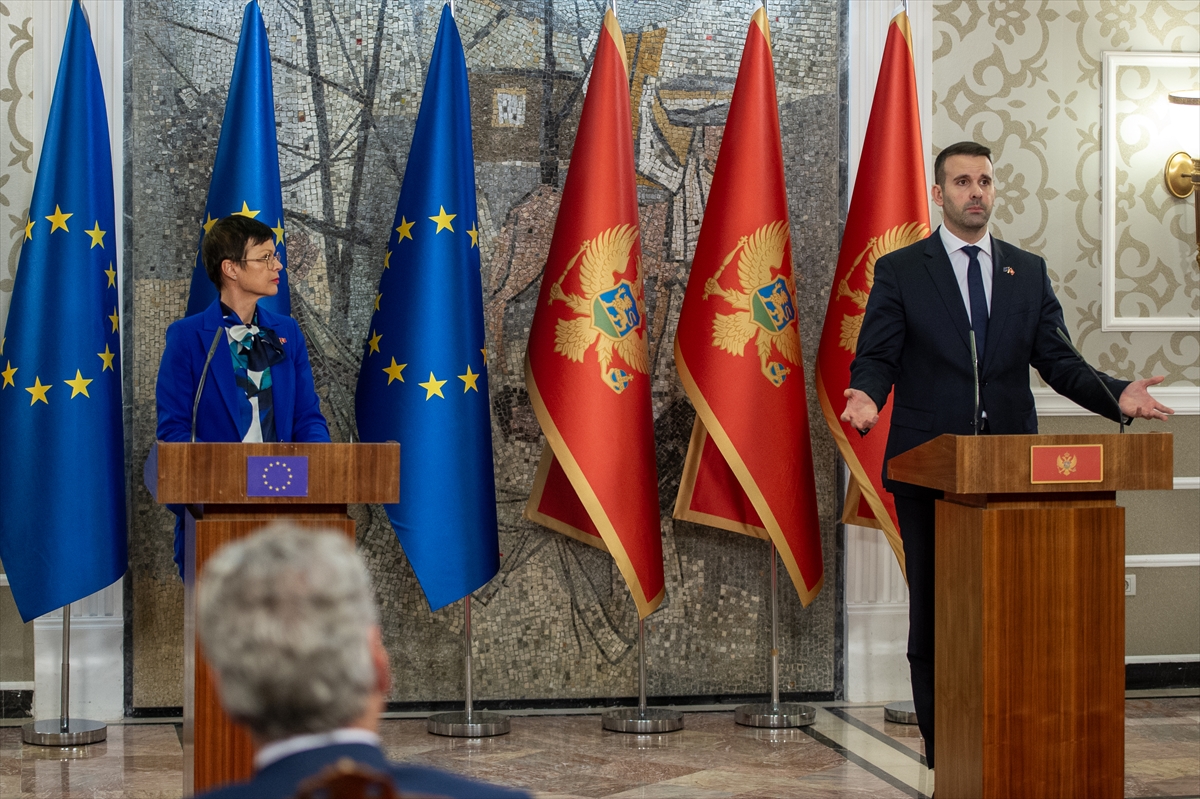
(235, 371)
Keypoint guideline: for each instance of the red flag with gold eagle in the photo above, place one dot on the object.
(586, 366)
(884, 216)
(749, 464)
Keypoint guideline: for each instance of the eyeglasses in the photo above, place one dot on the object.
(264, 261)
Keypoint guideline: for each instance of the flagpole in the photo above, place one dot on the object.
(64, 731)
(468, 722)
(642, 719)
(775, 713)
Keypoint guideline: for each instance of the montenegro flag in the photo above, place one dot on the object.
(749, 464)
(586, 366)
(884, 216)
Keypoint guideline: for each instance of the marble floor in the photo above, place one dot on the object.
(850, 751)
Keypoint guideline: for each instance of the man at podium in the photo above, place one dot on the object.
(952, 326)
(260, 384)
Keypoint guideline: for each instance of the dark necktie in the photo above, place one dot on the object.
(979, 307)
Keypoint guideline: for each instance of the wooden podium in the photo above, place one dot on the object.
(1030, 618)
(217, 483)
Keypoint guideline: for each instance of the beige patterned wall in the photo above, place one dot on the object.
(16, 136)
(1025, 79)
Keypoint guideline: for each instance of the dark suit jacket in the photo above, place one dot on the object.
(914, 340)
(297, 407)
(282, 778)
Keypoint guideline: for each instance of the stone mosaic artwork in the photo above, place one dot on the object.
(557, 623)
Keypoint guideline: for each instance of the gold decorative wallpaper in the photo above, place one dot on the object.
(1025, 79)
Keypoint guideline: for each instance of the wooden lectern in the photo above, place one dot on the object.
(223, 487)
(1030, 618)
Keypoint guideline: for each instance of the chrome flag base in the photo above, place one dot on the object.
(643, 721)
(782, 714)
(476, 724)
(50, 732)
(900, 712)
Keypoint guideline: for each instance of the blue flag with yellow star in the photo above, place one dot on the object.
(245, 175)
(423, 380)
(62, 454)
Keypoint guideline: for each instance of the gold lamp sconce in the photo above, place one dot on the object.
(1182, 173)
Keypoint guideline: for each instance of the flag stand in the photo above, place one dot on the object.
(468, 723)
(900, 712)
(775, 713)
(642, 719)
(64, 731)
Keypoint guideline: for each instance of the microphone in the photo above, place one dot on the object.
(203, 374)
(975, 374)
(1092, 370)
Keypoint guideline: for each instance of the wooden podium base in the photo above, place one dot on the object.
(1030, 655)
(215, 750)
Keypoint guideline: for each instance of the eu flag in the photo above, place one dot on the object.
(245, 176)
(423, 380)
(62, 499)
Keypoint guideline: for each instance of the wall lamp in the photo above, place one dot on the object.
(1182, 172)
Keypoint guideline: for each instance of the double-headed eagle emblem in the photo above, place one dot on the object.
(877, 247)
(766, 311)
(610, 311)
(1067, 464)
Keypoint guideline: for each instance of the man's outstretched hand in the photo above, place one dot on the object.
(862, 413)
(1136, 402)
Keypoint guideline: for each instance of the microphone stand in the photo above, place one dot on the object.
(1124, 420)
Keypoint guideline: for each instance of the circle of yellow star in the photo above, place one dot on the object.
(433, 386)
(474, 234)
(443, 220)
(107, 356)
(114, 318)
(97, 235)
(387, 260)
(395, 371)
(246, 211)
(278, 231)
(374, 342)
(112, 276)
(7, 374)
(78, 385)
(29, 229)
(208, 225)
(59, 220)
(405, 229)
(469, 380)
(38, 391)
(378, 297)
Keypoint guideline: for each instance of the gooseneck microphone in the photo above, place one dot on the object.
(975, 374)
(1092, 370)
(203, 374)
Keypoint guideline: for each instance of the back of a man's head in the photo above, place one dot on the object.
(286, 619)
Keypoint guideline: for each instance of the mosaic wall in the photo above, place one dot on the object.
(1025, 79)
(557, 622)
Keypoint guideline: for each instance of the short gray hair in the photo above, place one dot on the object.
(285, 618)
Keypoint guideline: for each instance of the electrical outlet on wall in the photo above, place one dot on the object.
(1131, 585)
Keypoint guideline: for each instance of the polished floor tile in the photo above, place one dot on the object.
(851, 751)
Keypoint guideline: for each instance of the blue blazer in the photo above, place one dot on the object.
(914, 342)
(297, 408)
(282, 778)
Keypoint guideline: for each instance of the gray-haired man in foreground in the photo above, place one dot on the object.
(289, 626)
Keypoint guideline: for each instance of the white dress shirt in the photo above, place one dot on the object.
(278, 750)
(959, 261)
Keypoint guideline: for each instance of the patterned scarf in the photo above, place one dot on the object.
(255, 350)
